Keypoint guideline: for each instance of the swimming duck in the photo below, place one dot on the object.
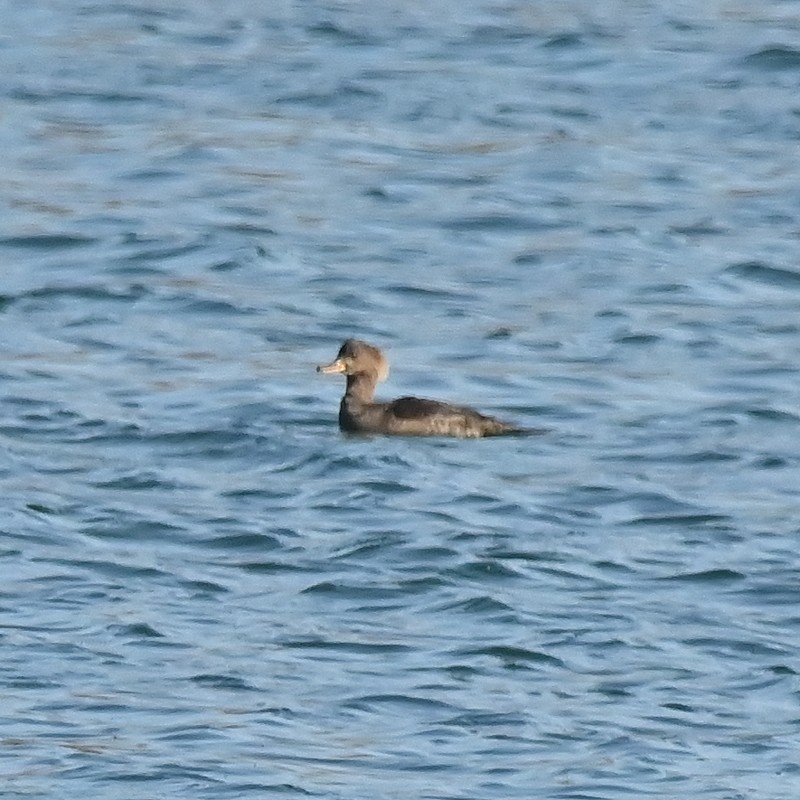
(365, 365)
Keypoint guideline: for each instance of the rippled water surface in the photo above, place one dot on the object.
(580, 216)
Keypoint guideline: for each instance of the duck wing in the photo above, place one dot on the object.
(418, 416)
(419, 408)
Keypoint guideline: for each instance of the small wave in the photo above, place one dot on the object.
(774, 59)
(342, 34)
(222, 682)
(315, 643)
(478, 605)
(47, 241)
(88, 292)
(483, 570)
(763, 273)
(497, 222)
(563, 41)
(773, 415)
(244, 541)
(708, 576)
(137, 630)
(497, 34)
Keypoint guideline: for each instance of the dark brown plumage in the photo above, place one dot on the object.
(365, 365)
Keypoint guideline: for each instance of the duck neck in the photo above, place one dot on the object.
(361, 387)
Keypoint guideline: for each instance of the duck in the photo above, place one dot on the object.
(365, 366)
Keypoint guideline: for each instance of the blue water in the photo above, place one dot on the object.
(578, 216)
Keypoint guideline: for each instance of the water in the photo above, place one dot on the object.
(579, 216)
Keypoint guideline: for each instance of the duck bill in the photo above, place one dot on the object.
(334, 366)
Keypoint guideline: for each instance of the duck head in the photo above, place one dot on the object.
(358, 358)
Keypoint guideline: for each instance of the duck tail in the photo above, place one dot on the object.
(496, 427)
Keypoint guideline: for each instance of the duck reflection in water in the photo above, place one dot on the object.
(365, 365)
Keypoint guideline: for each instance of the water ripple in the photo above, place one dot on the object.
(587, 224)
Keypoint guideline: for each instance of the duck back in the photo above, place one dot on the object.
(416, 416)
